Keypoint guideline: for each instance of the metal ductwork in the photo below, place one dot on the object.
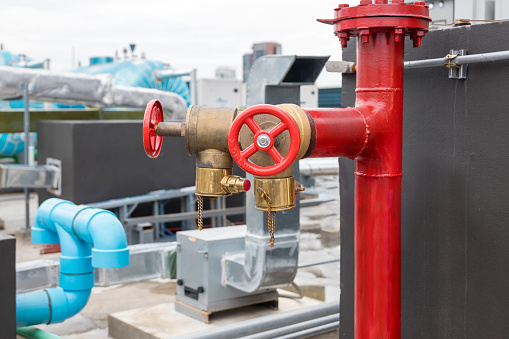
(92, 90)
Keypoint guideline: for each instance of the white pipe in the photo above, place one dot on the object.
(91, 90)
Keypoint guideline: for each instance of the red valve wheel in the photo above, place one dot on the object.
(153, 116)
(264, 140)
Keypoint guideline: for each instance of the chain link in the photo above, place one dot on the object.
(271, 216)
(200, 212)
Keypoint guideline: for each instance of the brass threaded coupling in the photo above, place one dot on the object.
(279, 192)
(219, 182)
(235, 184)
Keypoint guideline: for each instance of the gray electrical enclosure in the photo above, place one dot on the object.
(199, 268)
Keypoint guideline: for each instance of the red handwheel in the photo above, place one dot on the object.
(153, 116)
(264, 140)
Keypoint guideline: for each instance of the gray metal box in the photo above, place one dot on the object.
(199, 273)
(105, 159)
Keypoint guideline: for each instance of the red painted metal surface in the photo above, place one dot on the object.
(153, 116)
(337, 132)
(280, 163)
(371, 133)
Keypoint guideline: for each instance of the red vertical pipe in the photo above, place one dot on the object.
(378, 189)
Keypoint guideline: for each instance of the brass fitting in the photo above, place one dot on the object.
(206, 135)
(218, 182)
(235, 184)
(208, 182)
(280, 192)
(282, 188)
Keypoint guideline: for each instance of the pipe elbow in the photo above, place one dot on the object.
(66, 304)
(105, 232)
(43, 230)
(53, 212)
(50, 306)
(76, 301)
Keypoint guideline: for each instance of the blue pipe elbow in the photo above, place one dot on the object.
(102, 228)
(77, 228)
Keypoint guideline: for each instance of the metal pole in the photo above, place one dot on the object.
(184, 216)
(293, 328)
(459, 60)
(315, 263)
(26, 123)
(262, 324)
(311, 331)
(194, 87)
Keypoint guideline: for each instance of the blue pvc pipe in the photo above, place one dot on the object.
(77, 229)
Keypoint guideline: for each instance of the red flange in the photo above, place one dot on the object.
(397, 18)
(264, 140)
(153, 116)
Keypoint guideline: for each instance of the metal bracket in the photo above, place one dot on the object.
(340, 67)
(40, 176)
(456, 71)
(56, 165)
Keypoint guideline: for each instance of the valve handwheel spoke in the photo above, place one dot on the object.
(153, 116)
(264, 140)
(253, 126)
(280, 128)
(275, 155)
(248, 152)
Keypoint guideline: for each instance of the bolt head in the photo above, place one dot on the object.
(263, 141)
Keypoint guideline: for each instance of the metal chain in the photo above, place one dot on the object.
(200, 212)
(271, 216)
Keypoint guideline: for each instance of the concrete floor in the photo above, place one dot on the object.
(319, 240)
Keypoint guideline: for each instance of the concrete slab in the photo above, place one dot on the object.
(162, 321)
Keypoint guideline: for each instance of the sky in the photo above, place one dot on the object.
(186, 34)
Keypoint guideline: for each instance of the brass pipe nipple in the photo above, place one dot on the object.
(170, 129)
(235, 184)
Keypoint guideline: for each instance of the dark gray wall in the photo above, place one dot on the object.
(455, 191)
(7, 286)
(104, 160)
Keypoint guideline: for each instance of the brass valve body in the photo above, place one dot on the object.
(208, 182)
(218, 182)
(280, 191)
(282, 142)
(281, 188)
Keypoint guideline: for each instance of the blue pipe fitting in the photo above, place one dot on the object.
(32, 308)
(77, 229)
(98, 227)
(77, 282)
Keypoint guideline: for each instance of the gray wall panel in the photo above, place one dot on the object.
(455, 190)
(7, 286)
(105, 160)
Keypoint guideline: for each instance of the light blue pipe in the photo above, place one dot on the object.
(14, 143)
(77, 228)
